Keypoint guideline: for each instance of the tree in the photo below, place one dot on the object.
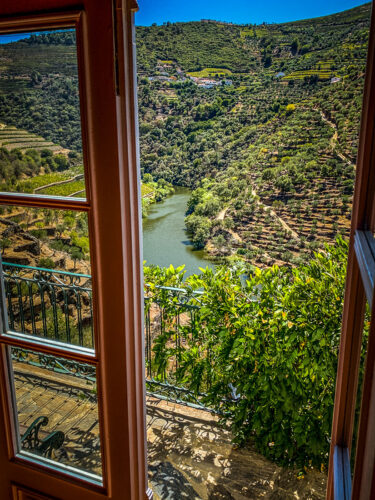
(4, 243)
(76, 255)
(61, 162)
(60, 228)
(268, 174)
(267, 60)
(199, 227)
(295, 46)
(147, 178)
(36, 77)
(263, 340)
(290, 108)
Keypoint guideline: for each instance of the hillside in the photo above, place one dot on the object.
(240, 48)
(13, 138)
(39, 88)
(261, 120)
(266, 129)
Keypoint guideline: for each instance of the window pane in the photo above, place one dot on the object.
(40, 129)
(57, 411)
(362, 367)
(46, 274)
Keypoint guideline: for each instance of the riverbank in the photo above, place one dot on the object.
(153, 192)
(165, 241)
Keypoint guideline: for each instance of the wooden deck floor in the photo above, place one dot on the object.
(69, 404)
(190, 457)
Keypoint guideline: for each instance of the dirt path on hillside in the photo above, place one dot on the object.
(221, 215)
(274, 214)
(334, 139)
(282, 222)
(235, 235)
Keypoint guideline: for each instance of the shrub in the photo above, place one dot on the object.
(46, 262)
(273, 344)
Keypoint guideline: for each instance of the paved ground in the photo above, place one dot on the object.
(190, 457)
(70, 405)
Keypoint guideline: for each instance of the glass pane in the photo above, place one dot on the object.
(362, 367)
(57, 411)
(46, 274)
(40, 128)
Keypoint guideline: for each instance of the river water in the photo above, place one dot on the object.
(165, 240)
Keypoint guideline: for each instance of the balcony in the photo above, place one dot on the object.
(190, 455)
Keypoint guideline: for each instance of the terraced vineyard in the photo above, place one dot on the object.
(14, 138)
(73, 188)
(67, 183)
(210, 72)
(13, 85)
(322, 70)
(270, 157)
(146, 190)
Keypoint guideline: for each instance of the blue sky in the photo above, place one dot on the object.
(12, 38)
(241, 11)
(237, 11)
(7, 38)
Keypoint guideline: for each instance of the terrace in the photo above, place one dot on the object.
(189, 454)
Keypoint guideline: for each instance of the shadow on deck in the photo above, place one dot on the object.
(190, 456)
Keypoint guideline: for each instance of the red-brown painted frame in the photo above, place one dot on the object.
(355, 301)
(108, 113)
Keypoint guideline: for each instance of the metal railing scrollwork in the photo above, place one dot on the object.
(57, 305)
(48, 303)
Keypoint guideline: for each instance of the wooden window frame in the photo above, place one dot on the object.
(110, 145)
(359, 288)
(105, 50)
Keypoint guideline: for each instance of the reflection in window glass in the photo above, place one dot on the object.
(57, 411)
(40, 130)
(46, 273)
(358, 402)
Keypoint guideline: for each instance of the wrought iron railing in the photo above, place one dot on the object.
(52, 363)
(58, 305)
(170, 324)
(49, 303)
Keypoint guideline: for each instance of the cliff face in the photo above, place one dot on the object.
(18, 246)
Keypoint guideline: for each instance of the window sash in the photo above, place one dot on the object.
(113, 204)
(72, 19)
(359, 287)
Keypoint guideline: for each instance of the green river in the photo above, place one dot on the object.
(165, 240)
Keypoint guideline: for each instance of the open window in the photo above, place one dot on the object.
(95, 349)
(68, 330)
